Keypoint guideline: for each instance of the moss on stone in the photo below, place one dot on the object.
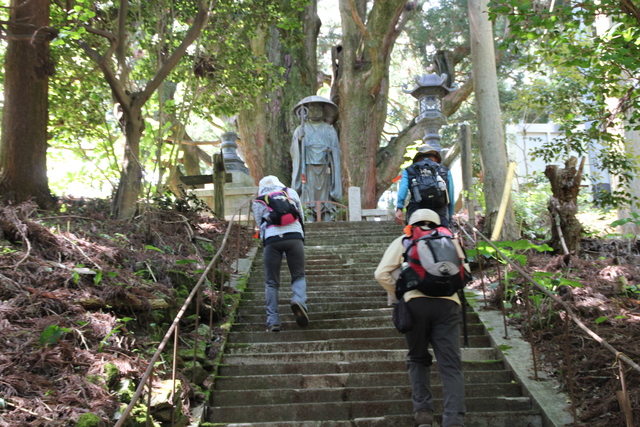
(111, 372)
(89, 420)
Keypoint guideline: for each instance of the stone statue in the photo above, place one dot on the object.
(315, 153)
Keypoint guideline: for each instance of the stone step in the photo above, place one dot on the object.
(343, 280)
(257, 292)
(348, 367)
(471, 354)
(332, 381)
(332, 311)
(332, 344)
(343, 240)
(353, 393)
(343, 252)
(343, 277)
(358, 226)
(528, 418)
(318, 368)
(341, 410)
(317, 297)
(475, 331)
(287, 324)
(329, 267)
(284, 309)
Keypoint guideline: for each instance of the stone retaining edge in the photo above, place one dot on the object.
(544, 392)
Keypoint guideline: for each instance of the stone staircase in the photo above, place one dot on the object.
(348, 367)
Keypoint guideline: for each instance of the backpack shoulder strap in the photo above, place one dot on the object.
(411, 170)
(285, 190)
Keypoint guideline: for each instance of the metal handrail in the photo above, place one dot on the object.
(619, 356)
(318, 205)
(173, 329)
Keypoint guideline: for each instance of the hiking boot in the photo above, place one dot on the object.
(302, 318)
(273, 328)
(424, 417)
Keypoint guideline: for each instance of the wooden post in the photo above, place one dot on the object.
(505, 200)
(466, 158)
(219, 172)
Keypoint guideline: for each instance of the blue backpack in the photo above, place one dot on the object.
(428, 184)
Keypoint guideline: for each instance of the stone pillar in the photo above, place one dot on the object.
(355, 206)
(232, 161)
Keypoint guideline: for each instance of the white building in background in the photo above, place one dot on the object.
(521, 140)
(525, 137)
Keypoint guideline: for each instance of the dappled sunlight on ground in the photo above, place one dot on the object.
(607, 302)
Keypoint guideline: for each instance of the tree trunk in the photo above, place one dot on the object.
(490, 128)
(631, 138)
(363, 88)
(266, 129)
(23, 149)
(125, 202)
(632, 142)
(563, 206)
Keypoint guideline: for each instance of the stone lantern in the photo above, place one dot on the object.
(232, 161)
(429, 91)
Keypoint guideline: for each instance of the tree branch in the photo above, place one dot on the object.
(121, 48)
(452, 102)
(198, 23)
(356, 18)
(117, 89)
(106, 34)
(630, 8)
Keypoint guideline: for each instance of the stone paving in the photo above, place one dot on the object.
(348, 367)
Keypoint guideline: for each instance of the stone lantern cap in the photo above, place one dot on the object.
(430, 84)
(330, 110)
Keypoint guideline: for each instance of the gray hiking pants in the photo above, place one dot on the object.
(436, 321)
(273, 252)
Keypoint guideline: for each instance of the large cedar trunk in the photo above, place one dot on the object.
(363, 89)
(363, 117)
(23, 150)
(267, 128)
(563, 205)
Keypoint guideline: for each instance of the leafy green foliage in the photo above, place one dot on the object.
(216, 77)
(513, 250)
(52, 334)
(635, 219)
(530, 206)
(513, 292)
(113, 331)
(579, 73)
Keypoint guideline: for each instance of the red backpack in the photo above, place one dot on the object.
(282, 209)
(433, 263)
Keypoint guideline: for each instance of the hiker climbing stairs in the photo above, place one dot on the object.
(347, 368)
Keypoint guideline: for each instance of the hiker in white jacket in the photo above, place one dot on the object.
(287, 240)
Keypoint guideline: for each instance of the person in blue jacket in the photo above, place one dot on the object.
(431, 153)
